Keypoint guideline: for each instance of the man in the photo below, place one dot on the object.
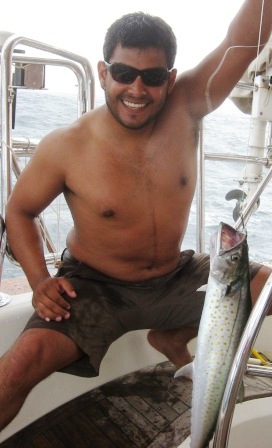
(128, 172)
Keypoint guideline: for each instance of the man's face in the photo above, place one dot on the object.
(136, 104)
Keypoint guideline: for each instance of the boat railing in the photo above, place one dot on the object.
(240, 366)
(252, 200)
(258, 160)
(14, 148)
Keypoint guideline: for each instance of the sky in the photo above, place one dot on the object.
(79, 26)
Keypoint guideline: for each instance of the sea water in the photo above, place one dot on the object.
(227, 130)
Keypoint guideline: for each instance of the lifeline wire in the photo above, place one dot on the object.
(211, 78)
(216, 71)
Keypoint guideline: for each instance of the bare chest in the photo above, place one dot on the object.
(130, 185)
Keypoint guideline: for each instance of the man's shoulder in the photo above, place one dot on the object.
(71, 133)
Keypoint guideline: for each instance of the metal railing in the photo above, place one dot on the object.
(11, 148)
(264, 302)
(78, 64)
(239, 366)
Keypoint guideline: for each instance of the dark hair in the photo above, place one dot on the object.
(141, 30)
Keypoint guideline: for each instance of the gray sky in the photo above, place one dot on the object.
(79, 26)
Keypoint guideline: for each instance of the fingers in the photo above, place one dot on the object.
(66, 286)
(48, 299)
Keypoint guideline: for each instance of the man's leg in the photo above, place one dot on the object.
(173, 343)
(36, 354)
(258, 282)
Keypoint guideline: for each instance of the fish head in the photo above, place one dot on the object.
(229, 256)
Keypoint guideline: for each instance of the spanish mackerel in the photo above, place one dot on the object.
(225, 313)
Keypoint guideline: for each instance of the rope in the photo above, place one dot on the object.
(213, 75)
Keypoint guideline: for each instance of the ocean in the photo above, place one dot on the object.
(227, 130)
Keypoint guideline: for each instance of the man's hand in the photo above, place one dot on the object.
(48, 301)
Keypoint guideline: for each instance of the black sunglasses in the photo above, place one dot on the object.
(125, 74)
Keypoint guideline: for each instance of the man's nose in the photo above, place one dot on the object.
(138, 84)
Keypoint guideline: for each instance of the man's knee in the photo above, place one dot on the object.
(258, 282)
(24, 356)
(38, 352)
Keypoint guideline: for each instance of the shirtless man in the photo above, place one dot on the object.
(128, 172)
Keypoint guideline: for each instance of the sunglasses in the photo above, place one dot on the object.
(125, 74)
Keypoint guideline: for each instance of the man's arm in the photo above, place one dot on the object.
(210, 83)
(40, 182)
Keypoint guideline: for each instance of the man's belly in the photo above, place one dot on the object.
(134, 262)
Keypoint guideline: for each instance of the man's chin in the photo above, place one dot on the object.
(133, 125)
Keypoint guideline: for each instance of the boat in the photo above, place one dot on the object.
(134, 402)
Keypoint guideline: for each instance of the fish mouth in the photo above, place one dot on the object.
(228, 238)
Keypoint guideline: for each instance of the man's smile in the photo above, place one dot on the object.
(134, 105)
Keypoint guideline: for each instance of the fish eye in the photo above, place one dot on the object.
(235, 257)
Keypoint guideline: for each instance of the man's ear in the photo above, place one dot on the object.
(102, 72)
(172, 79)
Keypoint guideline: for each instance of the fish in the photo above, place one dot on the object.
(225, 313)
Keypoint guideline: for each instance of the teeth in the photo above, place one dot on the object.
(134, 105)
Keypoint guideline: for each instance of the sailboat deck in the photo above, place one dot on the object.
(144, 409)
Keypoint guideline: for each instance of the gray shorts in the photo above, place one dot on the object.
(106, 308)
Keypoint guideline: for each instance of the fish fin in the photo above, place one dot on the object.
(185, 371)
(241, 394)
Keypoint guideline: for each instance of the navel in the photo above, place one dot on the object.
(108, 213)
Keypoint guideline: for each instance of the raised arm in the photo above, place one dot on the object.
(209, 83)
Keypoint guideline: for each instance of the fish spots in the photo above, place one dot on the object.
(224, 315)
